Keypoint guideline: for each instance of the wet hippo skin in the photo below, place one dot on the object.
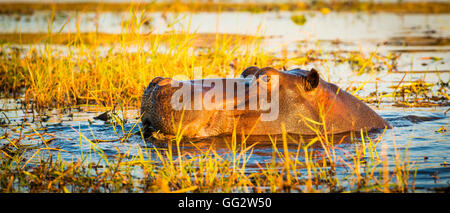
(300, 101)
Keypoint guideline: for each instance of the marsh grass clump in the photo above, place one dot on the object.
(414, 89)
(419, 93)
(85, 75)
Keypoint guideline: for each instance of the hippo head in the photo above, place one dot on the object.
(260, 102)
(307, 80)
(292, 83)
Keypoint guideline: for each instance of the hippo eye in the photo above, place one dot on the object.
(265, 78)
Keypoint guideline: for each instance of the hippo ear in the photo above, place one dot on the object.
(312, 80)
(250, 71)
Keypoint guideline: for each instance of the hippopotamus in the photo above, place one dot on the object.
(262, 101)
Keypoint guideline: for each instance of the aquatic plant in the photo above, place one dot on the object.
(298, 19)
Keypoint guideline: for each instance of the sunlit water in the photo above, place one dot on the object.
(415, 129)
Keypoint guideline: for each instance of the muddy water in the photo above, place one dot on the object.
(419, 41)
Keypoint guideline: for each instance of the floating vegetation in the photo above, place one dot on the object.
(325, 10)
(299, 19)
(419, 93)
(416, 89)
(363, 64)
(417, 41)
(442, 130)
